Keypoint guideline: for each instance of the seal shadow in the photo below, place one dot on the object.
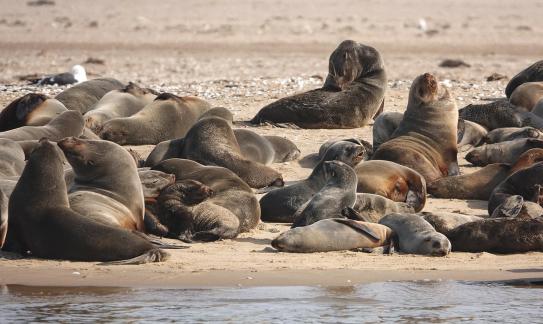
(253, 240)
(477, 204)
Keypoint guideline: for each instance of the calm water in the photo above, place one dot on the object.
(436, 302)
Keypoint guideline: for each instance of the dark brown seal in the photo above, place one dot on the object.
(497, 114)
(532, 73)
(426, 138)
(32, 109)
(351, 96)
(83, 96)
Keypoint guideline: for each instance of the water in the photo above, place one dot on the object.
(434, 301)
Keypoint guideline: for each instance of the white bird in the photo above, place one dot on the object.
(423, 25)
(77, 75)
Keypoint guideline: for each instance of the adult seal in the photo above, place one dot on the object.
(493, 115)
(527, 95)
(416, 235)
(69, 123)
(279, 205)
(336, 234)
(446, 222)
(32, 109)
(42, 222)
(107, 187)
(118, 103)
(384, 126)
(426, 139)
(265, 149)
(392, 181)
(532, 73)
(84, 95)
(351, 96)
(12, 158)
(338, 193)
(166, 118)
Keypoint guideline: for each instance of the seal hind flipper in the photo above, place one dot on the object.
(511, 207)
(154, 255)
(362, 228)
(352, 214)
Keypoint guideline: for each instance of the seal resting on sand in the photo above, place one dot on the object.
(84, 95)
(68, 123)
(426, 138)
(527, 95)
(351, 96)
(504, 152)
(532, 73)
(12, 158)
(32, 109)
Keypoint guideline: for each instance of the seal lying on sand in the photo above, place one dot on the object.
(374, 207)
(42, 222)
(69, 123)
(532, 73)
(351, 96)
(279, 205)
(231, 209)
(166, 118)
(393, 181)
(504, 152)
(527, 159)
(334, 234)
(32, 109)
(118, 103)
(338, 193)
(499, 235)
(265, 149)
(472, 134)
(416, 235)
(511, 133)
(446, 222)
(12, 158)
(84, 95)
(527, 95)
(497, 114)
(426, 138)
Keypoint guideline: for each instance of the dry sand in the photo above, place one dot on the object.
(245, 54)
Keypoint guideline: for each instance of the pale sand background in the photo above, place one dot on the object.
(245, 54)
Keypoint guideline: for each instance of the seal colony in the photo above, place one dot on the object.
(70, 191)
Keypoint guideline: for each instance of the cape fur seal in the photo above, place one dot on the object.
(527, 95)
(118, 103)
(446, 222)
(106, 187)
(42, 222)
(232, 208)
(279, 205)
(333, 235)
(12, 158)
(384, 126)
(497, 114)
(351, 96)
(166, 118)
(32, 109)
(338, 193)
(538, 108)
(526, 159)
(373, 207)
(504, 152)
(475, 185)
(427, 135)
(472, 134)
(416, 235)
(498, 235)
(84, 95)
(265, 149)
(68, 123)
(532, 73)
(393, 181)
(511, 133)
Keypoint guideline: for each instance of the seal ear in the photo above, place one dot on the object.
(360, 227)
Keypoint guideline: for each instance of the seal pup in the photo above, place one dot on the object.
(374, 207)
(532, 73)
(384, 126)
(416, 235)
(12, 158)
(118, 103)
(76, 75)
(498, 235)
(497, 114)
(504, 152)
(446, 222)
(351, 96)
(69, 123)
(426, 138)
(393, 181)
(510, 134)
(106, 187)
(476, 185)
(527, 95)
(335, 234)
(42, 222)
(32, 109)
(338, 193)
(279, 205)
(167, 117)
(84, 95)
(231, 209)
(265, 149)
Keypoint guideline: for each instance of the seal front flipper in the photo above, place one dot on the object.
(350, 213)
(155, 255)
(362, 228)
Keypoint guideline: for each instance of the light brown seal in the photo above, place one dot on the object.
(84, 95)
(351, 96)
(265, 149)
(12, 158)
(167, 117)
(32, 109)
(426, 138)
(69, 123)
(527, 95)
(446, 222)
(374, 207)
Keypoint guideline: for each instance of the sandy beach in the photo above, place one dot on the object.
(243, 55)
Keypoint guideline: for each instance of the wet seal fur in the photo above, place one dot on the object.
(416, 235)
(351, 96)
(84, 95)
(167, 117)
(42, 222)
(426, 139)
(333, 235)
(393, 181)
